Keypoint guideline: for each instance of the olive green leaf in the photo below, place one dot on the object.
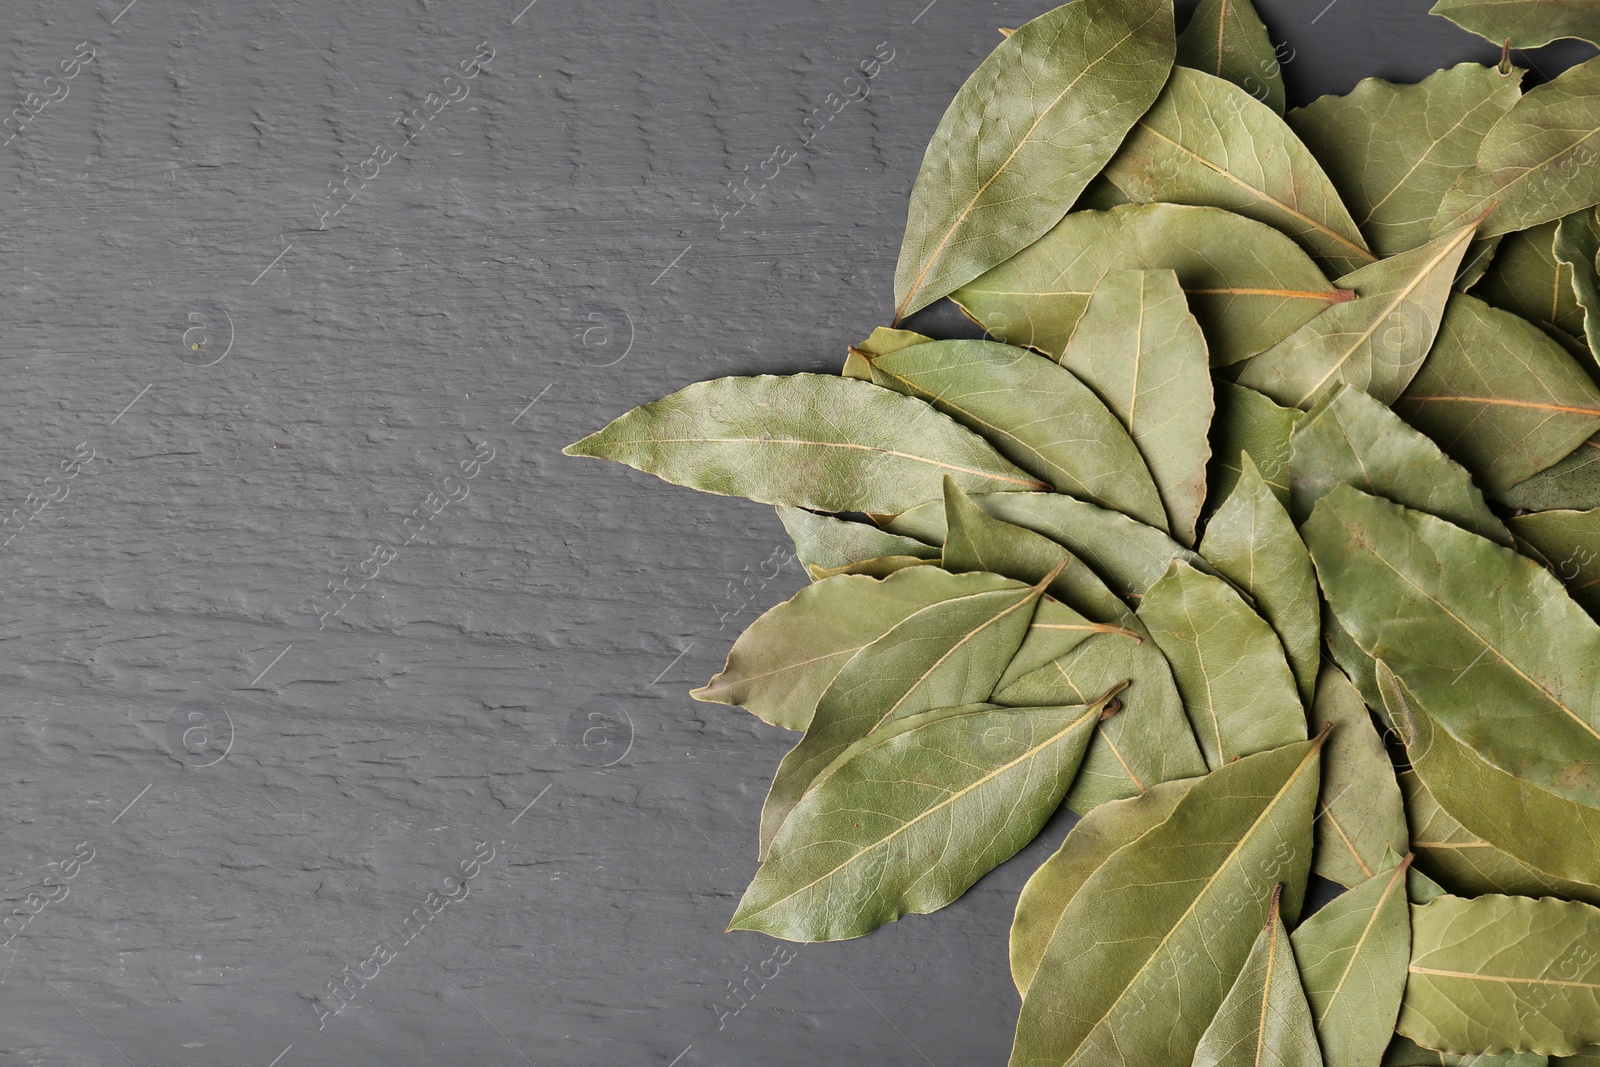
(1208, 142)
(1524, 23)
(1027, 131)
(1570, 543)
(1352, 439)
(1352, 956)
(823, 543)
(1573, 483)
(1248, 422)
(1091, 842)
(1143, 354)
(1252, 542)
(1527, 279)
(1394, 151)
(881, 342)
(910, 816)
(1480, 257)
(1375, 342)
(948, 654)
(1469, 865)
(1226, 38)
(1264, 1021)
(1537, 162)
(1362, 817)
(1473, 629)
(1498, 395)
(1147, 743)
(1577, 248)
(808, 440)
(876, 567)
(1248, 285)
(1145, 951)
(1404, 1052)
(1547, 832)
(1503, 974)
(1064, 434)
(1236, 685)
(1127, 554)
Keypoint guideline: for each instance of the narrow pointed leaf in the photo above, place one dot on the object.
(1248, 285)
(825, 543)
(1143, 354)
(1498, 395)
(1352, 439)
(1375, 342)
(1573, 483)
(1064, 435)
(1394, 151)
(1226, 38)
(1362, 817)
(1264, 1021)
(1404, 1052)
(1570, 542)
(1524, 23)
(808, 440)
(1208, 142)
(881, 342)
(1251, 541)
(1537, 162)
(1147, 949)
(1352, 956)
(1504, 974)
(948, 654)
(1249, 423)
(1467, 864)
(1091, 842)
(910, 817)
(1237, 687)
(1027, 131)
(1577, 248)
(1527, 279)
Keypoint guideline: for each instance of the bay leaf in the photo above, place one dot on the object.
(1248, 422)
(1264, 1021)
(1526, 279)
(1064, 435)
(1504, 974)
(1089, 844)
(875, 567)
(825, 542)
(909, 817)
(1209, 143)
(1025, 133)
(1236, 684)
(807, 440)
(1375, 342)
(1499, 396)
(1536, 162)
(1394, 151)
(1572, 483)
(1352, 954)
(1248, 285)
(1524, 23)
(1404, 1052)
(1251, 541)
(881, 342)
(1441, 606)
(1480, 257)
(1226, 38)
(949, 654)
(1570, 541)
(1577, 248)
(1146, 950)
(1362, 817)
(1352, 439)
(1142, 352)
(1469, 865)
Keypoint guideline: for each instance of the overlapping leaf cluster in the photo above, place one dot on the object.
(1287, 435)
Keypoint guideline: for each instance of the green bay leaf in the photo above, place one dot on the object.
(1570, 543)
(824, 543)
(1527, 279)
(1572, 483)
(1362, 817)
(1524, 23)
(1264, 1021)
(1249, 423)
(1227, 39)
(1577, 248)
(1404, 1052)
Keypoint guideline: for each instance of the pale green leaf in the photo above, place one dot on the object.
(1249, 423)
(1570, 542)
(1404, 1052)
(1526, 279)
(1577, 248)
(1573, 483)
(1264, 1021)
(1524, 23)
(1227, 38)
(1362, 817)
(826, 543)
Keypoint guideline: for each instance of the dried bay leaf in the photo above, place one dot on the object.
(1236, 684)
(1147, 948)
(1394, 151)
(1251, 541)
(807, 440)
(1572, 483)
(1570, 542)
(1524, 23)
(1404, 1052)
(823, 543)
(1362, 816)
(1025, 134)
(1248, 285)
(1577, 248)
(1376, 342)
(1249, 423)
(1064, 434)
(1207, 142)
(909, 817)
(1526, 279)
(1499, 396)
(1504, 974)
(1226, 38)
(1264, 1021)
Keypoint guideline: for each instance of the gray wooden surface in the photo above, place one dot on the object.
(267, 794)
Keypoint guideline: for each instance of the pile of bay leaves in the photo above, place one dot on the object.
(1286, 444)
